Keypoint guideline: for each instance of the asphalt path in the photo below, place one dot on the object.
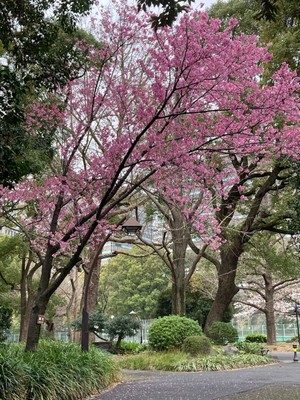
(273, 382)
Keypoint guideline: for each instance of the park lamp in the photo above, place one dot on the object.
(131, 226)
(135, 315)
(295, 311)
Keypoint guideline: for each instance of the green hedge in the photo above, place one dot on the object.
(256, 338)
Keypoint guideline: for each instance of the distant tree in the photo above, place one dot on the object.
(242, 10)
(97, 323)
(268, 276)
(197, 306)
(274, 21)
(120, 327)
(132, 283)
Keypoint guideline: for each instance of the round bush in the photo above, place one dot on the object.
(222, 333)
(249, 348)
(195, 345)
(256, 338)
(169, 332)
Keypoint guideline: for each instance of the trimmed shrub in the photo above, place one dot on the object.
(195, 345)
(222, 333)
(169, 332)
(248, 347)
(256, 338)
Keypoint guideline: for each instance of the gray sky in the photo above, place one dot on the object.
(206, 3)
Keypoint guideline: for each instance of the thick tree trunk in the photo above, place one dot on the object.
(180, 234)
(226, 282)
(271, 327)
(40, 304)
(24, 309)
(178, 295)
(25, 318)
(270, 313)
(34, 328)
(93, 289)
(225, 293)
(93, 286)
(90, 287)
(27, 296)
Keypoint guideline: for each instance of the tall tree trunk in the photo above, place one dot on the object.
(271, 327)
(270, 313)
(91, 284)
(27, 295)
(24, 325)
(40, 303)
(227, 289)
(93, 288)
(24, 314)
(34, 328)
(180, 236)
(71, 304)
(178, 293)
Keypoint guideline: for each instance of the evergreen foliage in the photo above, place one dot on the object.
(256, 338)
(169, 332)
(97, 322)
(120, 327)
(5, 322)
(197, 345)
(197, 306)
(130, 283)
(222, 333)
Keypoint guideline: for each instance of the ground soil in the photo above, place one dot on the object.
(282, 346)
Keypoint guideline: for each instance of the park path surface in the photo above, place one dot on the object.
(273, 382)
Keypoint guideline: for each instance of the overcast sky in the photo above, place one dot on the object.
(206, 3)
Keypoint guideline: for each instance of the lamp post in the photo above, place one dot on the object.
(134, 314)
(295, 311)
(131, 226)
(297, 308)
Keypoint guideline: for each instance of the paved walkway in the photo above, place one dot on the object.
(274, 382)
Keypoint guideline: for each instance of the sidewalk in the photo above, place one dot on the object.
(273, 392)
(279, 381)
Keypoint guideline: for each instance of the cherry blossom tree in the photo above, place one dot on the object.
(172, 244)
(246, 208)
(151, 100)
(269, 281)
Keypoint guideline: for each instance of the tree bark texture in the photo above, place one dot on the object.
(227, 289)
(270, 312)
(180, 232)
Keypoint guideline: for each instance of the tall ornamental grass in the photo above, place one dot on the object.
(56, 371)
(179, 361)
